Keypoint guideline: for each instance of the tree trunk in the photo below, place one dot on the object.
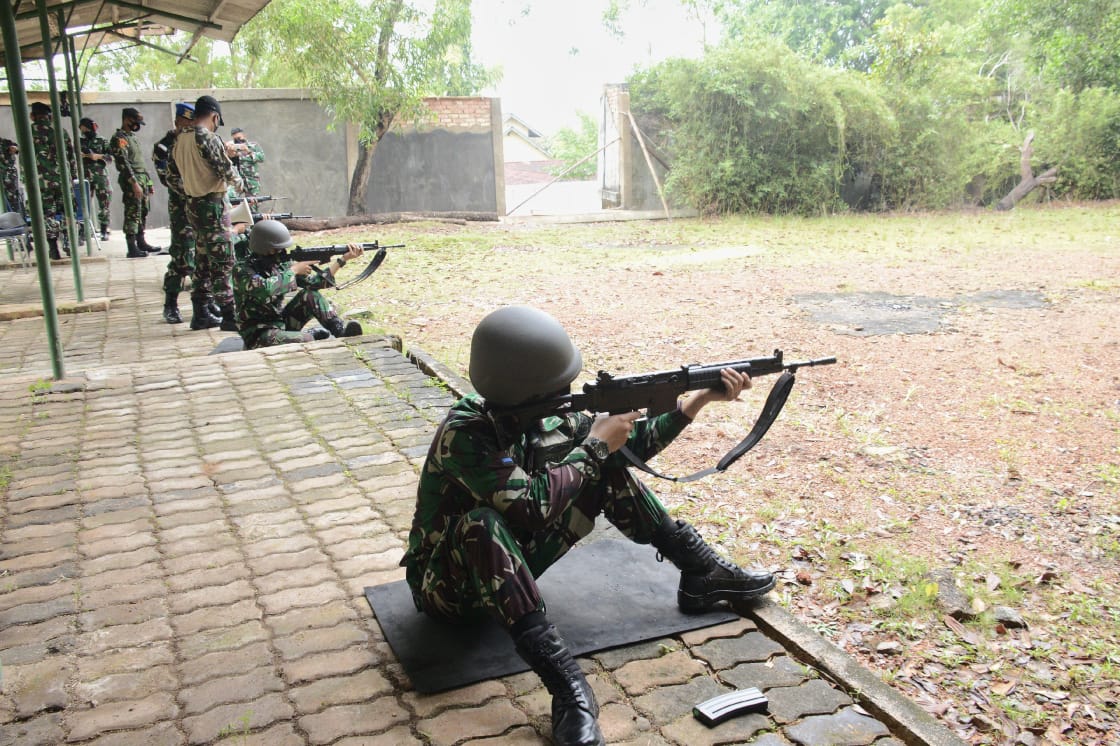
(359, 180)
(1029, 181)
(324, 224)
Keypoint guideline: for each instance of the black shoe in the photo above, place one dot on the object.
(340, 328)
(104, 234)
(229, 319)
(171, 308)
(574, 709)
(317, 333)
(133, 251)
(143, 245)
(706, 577)
(212, 307)
(202, 318)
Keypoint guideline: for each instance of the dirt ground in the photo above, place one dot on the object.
(967, 440)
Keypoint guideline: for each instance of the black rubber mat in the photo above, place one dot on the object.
(601, 595)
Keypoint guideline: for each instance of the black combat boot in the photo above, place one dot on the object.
(229, 318)
(105, 234)
(202, 318)
(574, 709)
(340, 328)
(171, 308)
(143, 245)
(133, 251)
(52, 248)
(706, 578)
(212, 307)
(317, 333)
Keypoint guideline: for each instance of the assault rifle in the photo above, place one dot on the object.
(254, 198)
(259, 216)
(657, 393)
(320, 254)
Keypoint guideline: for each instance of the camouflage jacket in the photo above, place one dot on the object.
(531, 479)
(259, 286)
(130, 161)
(248, 165)
(91, 142)
(9, 161)
(46, 155)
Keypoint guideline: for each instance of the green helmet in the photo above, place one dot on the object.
(518, 353)
(268, 237)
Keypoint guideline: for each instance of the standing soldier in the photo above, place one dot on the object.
(249, 155)
(95, 153)
(181, 263)
(9, 165)
(136, 183)
(50, 171)
(199, 159)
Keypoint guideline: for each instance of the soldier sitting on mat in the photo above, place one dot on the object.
(501, 499)
(261, 282)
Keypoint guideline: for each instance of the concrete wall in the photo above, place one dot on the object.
(624, 171)
(452, 162)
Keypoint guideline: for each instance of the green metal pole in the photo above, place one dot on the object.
(76, 133)
(60, 148)
(22, 122)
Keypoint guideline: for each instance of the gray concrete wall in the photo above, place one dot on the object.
(435, 170)
(447, 167)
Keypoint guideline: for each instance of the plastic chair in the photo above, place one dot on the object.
(13, 228)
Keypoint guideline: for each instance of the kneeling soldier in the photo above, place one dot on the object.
(503, 497)
(261, 282)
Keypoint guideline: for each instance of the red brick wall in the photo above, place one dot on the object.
(459, 113)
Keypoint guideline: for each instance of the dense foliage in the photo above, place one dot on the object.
(820, 105)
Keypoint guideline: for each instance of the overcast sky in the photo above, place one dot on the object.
(557, 55)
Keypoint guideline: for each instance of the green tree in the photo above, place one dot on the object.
(372, 63)
(570, 146)
(251, 61)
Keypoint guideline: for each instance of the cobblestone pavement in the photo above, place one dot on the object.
(184, 540)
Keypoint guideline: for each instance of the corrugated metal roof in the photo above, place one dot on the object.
(96, 22)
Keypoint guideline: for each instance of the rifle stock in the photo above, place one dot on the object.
(656, 393)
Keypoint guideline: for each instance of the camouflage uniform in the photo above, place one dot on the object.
(182, 263)
(98, 174)
(247, 165)
(259, 286)
(51, 188)
(125, 149)
(208, 215)
(13, 188)
(494, 509)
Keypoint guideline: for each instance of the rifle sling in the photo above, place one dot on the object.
(770, 410)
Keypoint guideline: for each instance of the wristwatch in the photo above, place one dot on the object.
(597, 448)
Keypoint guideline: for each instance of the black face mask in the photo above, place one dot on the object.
(134, 126)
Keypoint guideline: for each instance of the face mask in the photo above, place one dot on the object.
(134, 127)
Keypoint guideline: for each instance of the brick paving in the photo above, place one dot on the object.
(184, 540)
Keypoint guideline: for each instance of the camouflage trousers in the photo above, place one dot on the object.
(135, 209)
(213, 248)
(484, 567)
(181, 263)
(99, 188)
(52, 210)
(304, 306)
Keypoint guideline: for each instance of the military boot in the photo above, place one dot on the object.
(706, 578)
(202, 318)
(52, 248)
(574, 709)
(171, 308)
(143, 245)
(339, 328)
(212, 307)
(229, 318)
(133, 251)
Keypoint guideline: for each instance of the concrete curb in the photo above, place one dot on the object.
(907, 721)
(31, 310)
